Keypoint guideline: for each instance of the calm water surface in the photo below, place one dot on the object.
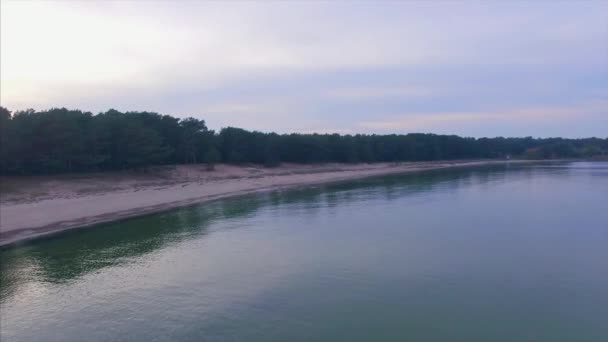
(508, 253)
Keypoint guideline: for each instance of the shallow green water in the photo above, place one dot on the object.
(508, 253)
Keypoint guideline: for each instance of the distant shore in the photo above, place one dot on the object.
(32, 207)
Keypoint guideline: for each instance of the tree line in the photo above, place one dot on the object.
(61, 140)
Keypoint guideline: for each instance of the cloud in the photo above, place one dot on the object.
(366, 93)
(305, 66)
(417, 122)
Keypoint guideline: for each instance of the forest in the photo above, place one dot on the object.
(60, 140)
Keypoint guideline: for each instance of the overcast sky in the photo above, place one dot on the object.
(479, 68)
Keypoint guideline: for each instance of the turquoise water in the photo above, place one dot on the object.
(507, 253)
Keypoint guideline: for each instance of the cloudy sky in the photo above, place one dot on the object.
(479, 68)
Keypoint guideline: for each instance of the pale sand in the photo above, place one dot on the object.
(37, 206)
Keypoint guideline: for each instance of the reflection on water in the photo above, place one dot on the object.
(69, 255)
(517, 246)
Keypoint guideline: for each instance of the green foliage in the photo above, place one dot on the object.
(62, 140)
(212, 157)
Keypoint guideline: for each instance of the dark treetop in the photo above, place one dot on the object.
(61, 140)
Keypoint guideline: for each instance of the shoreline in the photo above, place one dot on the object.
(25, 220)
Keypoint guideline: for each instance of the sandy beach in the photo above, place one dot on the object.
(32, 207)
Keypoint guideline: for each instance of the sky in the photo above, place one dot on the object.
(472, 68)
